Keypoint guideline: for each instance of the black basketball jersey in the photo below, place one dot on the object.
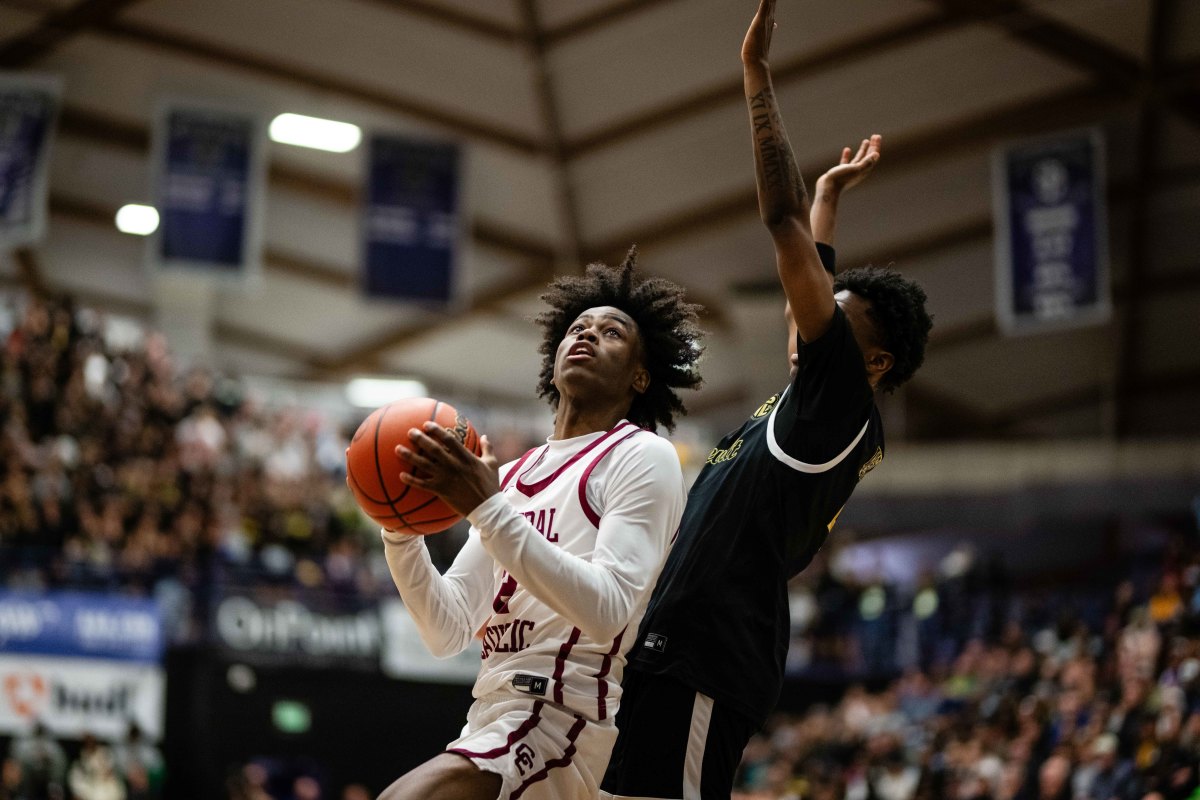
(760, 509)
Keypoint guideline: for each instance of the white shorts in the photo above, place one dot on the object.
(540, 750)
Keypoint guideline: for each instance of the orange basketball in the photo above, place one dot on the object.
(373, 468)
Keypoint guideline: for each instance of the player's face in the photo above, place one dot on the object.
(600, 352)
(857, 311)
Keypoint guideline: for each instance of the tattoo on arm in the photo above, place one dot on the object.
(781, 188)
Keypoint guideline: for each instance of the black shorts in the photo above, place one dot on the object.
(674, 742)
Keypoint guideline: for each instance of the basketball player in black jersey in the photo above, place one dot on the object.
(707, 665)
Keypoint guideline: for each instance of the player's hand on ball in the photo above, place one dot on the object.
(448, 469)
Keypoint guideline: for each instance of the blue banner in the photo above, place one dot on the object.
(80, 625)
(208, 189)
(411, 220)
(28, 109)
(1051, 233)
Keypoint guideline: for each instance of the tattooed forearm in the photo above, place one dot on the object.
(781, 189)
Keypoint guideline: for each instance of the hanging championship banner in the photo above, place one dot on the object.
(28, 109)
(1051, 233)
(411, 223)
(208, 189)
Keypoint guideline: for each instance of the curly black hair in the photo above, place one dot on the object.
(667, 327)
(898, 311)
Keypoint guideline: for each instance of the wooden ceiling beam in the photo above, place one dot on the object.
(1048, 405)
(804, 66)
(56, 28)
(1064, 108)
(178, 44)
(455, 18)
(934, 414)
(1108, 66)
(599, 18)
(977, 330)
(86, 125)
(1102, 61)
(1150, 123)
(535, 43)
(971, 134)
(274, 260)
(1174, 382)
(101, 301)
(928, 403)
(229, 334)
(972, 231)
(368, 354)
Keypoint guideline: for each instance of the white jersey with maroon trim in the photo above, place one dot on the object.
(558, 568)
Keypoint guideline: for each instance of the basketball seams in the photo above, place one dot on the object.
(428, 515)
(379, 467)
(360, 491)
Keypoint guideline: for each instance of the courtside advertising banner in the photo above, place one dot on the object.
(80, 663)
(411, 222)
(28, 109)
(208, 189)
(1051, 233)
(72, 697)
(295, 633)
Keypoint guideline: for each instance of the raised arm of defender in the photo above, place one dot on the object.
(848, 172)
(782, 199)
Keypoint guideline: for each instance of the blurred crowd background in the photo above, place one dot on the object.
(126, 473)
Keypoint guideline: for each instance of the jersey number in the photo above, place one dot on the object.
(504, 594)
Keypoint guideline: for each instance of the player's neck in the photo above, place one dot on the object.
(574, 420)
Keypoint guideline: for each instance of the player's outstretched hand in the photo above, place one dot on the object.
(448, 469)
(851, 171)
(757, 44)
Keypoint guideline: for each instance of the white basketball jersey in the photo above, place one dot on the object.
(529, 649)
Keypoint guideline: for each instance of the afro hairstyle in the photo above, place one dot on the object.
(667, 328)
(897, 307)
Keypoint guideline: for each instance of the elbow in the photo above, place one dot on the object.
(610, 619)
(605, 630)
(446, 649)
(447, 654)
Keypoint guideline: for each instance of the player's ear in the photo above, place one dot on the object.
(878, 363)
(641, 380)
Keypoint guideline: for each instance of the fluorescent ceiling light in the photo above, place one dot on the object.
(376, 392)
(319, 134)
(138, 220)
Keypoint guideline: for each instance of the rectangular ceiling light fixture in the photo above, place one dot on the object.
(138, 220)
(376, 392)
(319, 134)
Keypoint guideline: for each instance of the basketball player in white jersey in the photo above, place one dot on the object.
(565, 544)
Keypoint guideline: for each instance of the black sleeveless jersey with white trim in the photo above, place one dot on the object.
(760, 509)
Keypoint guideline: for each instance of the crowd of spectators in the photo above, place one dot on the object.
(122, 472)
(1027, 706)
(37, 767)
